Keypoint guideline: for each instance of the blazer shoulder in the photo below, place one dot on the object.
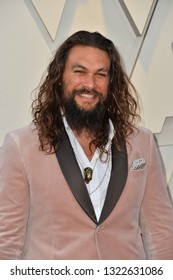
(23, 137)
(141, 139)
(142, 132)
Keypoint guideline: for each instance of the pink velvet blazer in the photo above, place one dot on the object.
(46, 212)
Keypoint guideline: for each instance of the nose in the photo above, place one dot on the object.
(89, 82)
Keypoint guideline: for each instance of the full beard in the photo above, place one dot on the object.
(91, 120)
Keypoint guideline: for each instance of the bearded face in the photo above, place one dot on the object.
(85, 88)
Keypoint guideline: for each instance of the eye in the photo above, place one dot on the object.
(102, 74)
(79, 71)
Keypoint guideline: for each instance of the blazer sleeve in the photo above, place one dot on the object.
(14, 199)
(157, 211)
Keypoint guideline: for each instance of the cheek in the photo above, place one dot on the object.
(102, 84)
(103, 88)
(69, 85)
(71, 82)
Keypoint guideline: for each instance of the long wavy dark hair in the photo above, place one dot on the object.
(122, 104)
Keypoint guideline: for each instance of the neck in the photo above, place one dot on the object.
(85, 138)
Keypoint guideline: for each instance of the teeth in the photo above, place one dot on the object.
(87, 95)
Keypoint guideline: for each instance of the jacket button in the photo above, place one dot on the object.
(99, 229)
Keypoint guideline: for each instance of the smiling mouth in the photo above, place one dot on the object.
(86, 95)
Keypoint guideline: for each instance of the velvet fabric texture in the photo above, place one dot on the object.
(46, 213)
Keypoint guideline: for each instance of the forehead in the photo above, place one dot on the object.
(88, 55)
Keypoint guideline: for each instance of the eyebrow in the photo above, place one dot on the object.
(102, 69)
(77, 65)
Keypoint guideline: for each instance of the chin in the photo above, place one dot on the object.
(86, 106)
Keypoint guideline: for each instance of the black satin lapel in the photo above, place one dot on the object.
(116, 183)
(73, 176)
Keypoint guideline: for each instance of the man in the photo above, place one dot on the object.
(83, 181)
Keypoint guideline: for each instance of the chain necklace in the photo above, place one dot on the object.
(88, 173)
(93, 191)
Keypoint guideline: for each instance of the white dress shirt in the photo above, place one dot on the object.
(97, 187)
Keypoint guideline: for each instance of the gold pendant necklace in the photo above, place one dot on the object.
(88, 174)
